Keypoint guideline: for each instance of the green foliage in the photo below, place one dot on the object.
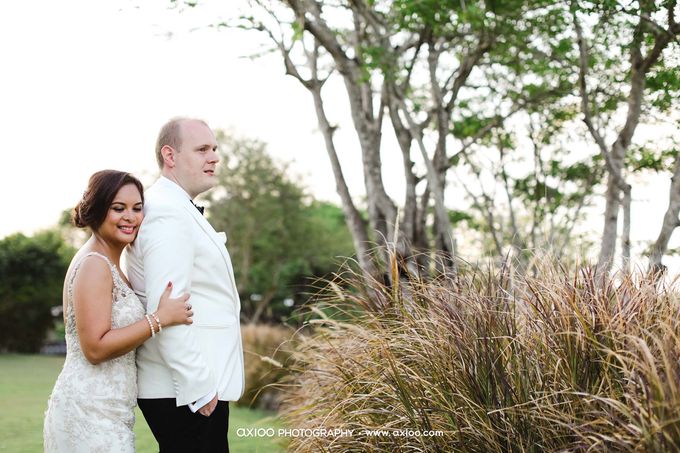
(436, 14)
(642, 158)
(468, 126)
(664, 83)
(297, 30)
(533, 190)
(580, 171)
(278, 236)
(461, 216)
(329, 235)
(32, 271)
(447, 16)
(616, 32)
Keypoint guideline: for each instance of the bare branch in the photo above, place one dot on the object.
(583, 90)
(517, 240)
(485, 207)
(464, 70)
(378, 23)
(320, 30)
(612, 166)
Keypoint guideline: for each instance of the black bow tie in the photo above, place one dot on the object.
(200, 208)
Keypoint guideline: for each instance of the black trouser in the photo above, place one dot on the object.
(177, 429)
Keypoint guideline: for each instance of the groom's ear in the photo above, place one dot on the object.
(168, 154)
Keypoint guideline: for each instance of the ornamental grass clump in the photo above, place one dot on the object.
(482, 362)
(265, 349)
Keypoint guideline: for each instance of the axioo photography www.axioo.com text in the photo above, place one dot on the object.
(330, 432)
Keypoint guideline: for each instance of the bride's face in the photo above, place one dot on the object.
(124, 217)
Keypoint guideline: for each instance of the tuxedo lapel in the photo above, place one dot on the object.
(218, 241)
(210, 232)
(177, 195)
(173, 192)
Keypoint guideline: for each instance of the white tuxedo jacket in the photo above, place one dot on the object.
(177, 244)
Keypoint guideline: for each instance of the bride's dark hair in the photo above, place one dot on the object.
(102, 188)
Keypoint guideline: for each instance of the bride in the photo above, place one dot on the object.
(92, 404)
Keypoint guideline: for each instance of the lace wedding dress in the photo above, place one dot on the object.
(92, 406)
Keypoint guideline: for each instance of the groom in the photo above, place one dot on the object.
(187, 373)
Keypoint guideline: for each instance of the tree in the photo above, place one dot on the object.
(529, 199)
(642, 31)
(464, 87)
(72, 235)
(278, 236)
(32, 270)
(670, 219)
(418, 64)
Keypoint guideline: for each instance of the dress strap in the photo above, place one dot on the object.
(106, 258)
(74, 271)
(114, 272)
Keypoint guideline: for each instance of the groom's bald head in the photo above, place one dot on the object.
(171, 135)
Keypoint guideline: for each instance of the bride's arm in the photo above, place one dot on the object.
(92, 304)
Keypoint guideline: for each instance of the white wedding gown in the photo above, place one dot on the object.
(92, 406)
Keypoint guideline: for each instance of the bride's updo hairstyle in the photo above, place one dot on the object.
(102, 188)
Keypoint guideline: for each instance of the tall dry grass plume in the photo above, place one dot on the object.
(486, 363)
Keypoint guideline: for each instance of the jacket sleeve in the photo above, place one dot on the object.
(168, 254)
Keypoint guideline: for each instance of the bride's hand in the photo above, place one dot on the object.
(172, 312)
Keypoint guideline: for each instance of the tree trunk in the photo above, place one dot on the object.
(441, 214)
(353, 218)
(408, 224)
(261, 305)
(615, 157)
(355, 222)
(670, 222)
(616, 183)
(609, 230)
(625, 233)
(444, 239)
(422, 242)
(381, 209)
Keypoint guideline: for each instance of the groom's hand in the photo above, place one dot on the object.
(209, 407)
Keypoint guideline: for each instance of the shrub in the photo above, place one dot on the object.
(558, 362)
(266, 351)
(31, 276)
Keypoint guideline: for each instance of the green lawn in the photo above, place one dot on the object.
(26, 382)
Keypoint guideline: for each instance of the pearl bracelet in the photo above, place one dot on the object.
(158, 321)
(148, 319)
